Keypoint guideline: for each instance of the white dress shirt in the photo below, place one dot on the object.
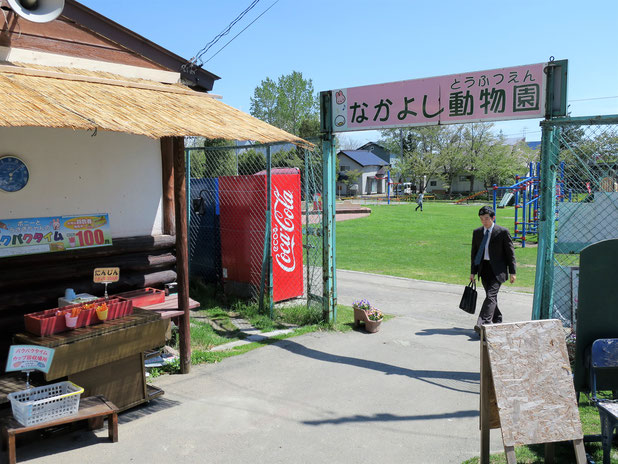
(486, 254)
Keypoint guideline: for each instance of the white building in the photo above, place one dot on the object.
(373, 172)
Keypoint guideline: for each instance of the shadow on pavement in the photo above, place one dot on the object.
(57, 440)
(154, 406)
(393, 418)
(433, 377)
(473, 336)
(75, 436)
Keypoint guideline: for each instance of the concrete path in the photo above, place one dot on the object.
(407, 394)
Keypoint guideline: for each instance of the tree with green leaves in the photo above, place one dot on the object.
(499, 165)
(216, 159)
(285, 103)
(451, 158)
(250, 161)
(478, 141)
(425, 151)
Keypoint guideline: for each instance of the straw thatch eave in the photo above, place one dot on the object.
(89, 101)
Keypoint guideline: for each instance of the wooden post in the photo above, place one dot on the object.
(167, 173)
(182, 252)
(580, 451)
(485, 403)
(550, 453)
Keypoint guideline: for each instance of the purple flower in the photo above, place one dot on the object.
(363, 305)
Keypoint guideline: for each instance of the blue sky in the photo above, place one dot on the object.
(342, 43)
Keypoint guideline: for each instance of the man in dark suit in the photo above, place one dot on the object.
(492, 257)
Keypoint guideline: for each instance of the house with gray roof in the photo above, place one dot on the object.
(373, 173)
(382, 152)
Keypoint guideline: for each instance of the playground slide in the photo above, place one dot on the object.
(506, 200)
(470, 197)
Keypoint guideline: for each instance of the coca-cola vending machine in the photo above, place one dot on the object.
(243, 204)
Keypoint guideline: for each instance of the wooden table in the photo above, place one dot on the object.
(89, 409)
(106, 359)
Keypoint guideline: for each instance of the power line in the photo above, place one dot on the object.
(209, 45)
(595, 98)
(276, 1)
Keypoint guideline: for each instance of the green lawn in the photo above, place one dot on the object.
(432, 245)
(534, 454)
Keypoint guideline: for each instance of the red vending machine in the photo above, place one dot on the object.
(243, 204)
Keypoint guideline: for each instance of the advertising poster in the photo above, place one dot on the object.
(287, 239)
(55, 233)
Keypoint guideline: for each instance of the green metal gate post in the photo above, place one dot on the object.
(544, 278)
(267, 261)
(307, 226)
(555, 105)
(328, 204)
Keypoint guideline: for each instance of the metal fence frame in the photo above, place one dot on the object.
(543, 303)
(314, 187)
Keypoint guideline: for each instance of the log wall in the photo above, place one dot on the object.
(34, 282)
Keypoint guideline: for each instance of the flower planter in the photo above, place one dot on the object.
(362, 316)
(119, 307)
(45, 323)
(144, 296)
(51, 321)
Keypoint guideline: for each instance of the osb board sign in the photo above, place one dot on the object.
(533, 383)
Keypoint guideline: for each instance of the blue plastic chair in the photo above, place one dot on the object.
(604, 355)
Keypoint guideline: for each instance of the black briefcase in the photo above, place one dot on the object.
(468, 299)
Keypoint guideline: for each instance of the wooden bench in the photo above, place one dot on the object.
(169, 308)
(91, 409)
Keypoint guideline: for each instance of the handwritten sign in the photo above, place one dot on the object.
(55, 233)
(29, 357)
(106, 275)
(499, 94)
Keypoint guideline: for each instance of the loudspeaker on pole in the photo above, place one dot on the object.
(38, 11)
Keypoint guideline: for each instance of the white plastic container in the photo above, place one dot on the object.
(79, 298)
(47, 403)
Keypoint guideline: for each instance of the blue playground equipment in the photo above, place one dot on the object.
(524, 194)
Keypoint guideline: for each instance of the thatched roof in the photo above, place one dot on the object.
(78, 99)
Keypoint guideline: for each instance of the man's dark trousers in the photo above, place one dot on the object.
(490, 313)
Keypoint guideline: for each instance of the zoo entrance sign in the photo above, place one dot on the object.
(499, 94)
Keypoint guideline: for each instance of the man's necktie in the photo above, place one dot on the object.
(481, 250)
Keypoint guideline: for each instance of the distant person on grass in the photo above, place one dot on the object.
(419, 202)
(493, 254)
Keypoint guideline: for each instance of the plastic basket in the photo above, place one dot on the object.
(44, 404)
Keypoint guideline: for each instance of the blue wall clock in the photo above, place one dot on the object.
(14, 174)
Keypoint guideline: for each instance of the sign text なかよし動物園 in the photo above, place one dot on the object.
(499, 94)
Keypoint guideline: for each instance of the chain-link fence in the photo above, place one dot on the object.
(255, 221)
(586, 194)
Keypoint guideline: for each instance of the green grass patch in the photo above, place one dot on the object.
(204, 336)
(433, 245)
(212, 325)
(534, 454)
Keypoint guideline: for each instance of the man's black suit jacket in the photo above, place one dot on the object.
(501, 251)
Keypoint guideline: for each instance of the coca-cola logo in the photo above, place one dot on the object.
(283, 235)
